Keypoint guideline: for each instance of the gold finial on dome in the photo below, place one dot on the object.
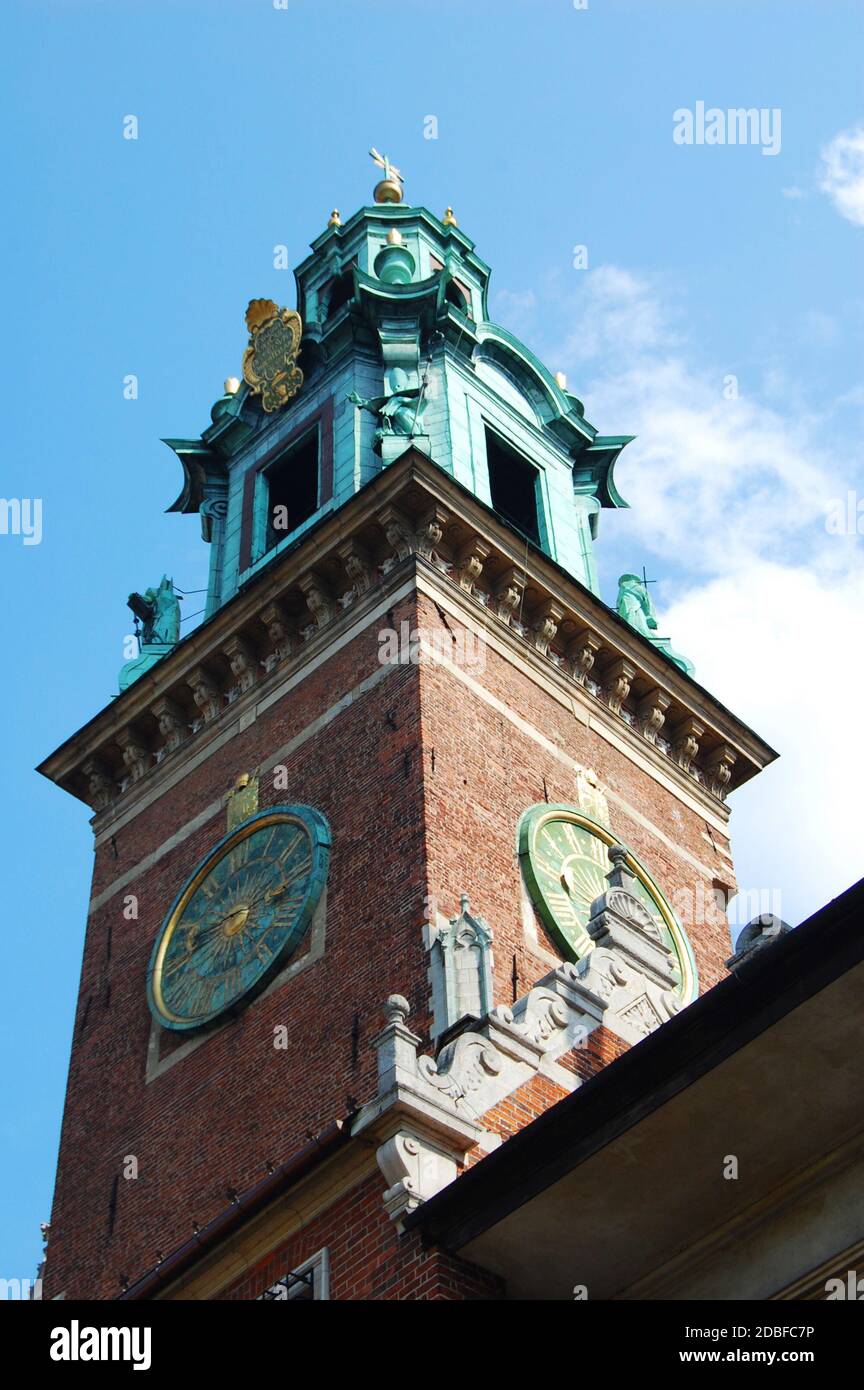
(449, 219)
(389, 190)
(394, 237)
(335, 219)
(561, 379)
(232, 385)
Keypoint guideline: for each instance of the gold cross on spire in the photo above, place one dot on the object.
(389, 190)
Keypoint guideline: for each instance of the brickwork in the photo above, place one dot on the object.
(487, 771)
(216, 1118)
(537, 1095)
(423, 781)
(368, 1259)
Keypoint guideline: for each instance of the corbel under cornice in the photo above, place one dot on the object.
(411, 513)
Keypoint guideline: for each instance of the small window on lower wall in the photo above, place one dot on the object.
(513, 483)
(309, 1282)
(292, 484)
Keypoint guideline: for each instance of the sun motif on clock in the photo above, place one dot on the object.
(239, 917)
(565, 859)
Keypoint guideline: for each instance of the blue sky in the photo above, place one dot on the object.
(554, 130)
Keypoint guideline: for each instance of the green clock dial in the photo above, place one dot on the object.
(565, 860)
(239, 917)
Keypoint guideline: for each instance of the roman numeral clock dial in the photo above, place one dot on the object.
(239, 917)
(565, 859)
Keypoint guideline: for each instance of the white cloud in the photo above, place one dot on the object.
(711, 480)
(785, 654)
(617, 313)
(841, 173)
(729, 499)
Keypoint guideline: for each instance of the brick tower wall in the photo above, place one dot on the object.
(423, 772)
(502, 743)
(214, 1118)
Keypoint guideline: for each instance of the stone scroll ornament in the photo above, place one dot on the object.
(270, 361)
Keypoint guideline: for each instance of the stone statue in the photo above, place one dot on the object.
(398, 413)
(636, 607)
(159, 611)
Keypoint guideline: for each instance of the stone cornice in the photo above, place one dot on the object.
(411, 513)
(595, 712)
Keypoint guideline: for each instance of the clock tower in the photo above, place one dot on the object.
(411, 837)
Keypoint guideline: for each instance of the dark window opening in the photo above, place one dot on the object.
(340, 292)
(303, 1289)
(513, 485)
(458, 298)
(292, 490)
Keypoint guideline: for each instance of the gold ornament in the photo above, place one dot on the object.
(270, 361)
(242, 801)
(389, 190)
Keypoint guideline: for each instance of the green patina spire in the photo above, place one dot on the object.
(394, 347)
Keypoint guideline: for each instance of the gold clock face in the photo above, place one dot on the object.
(239, 917)
(565, 859)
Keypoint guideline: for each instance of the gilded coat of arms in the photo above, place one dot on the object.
(270, 360)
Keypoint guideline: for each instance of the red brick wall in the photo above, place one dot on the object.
(368, 1260)
(424, 784)
(218, 1116)
(517, 1110)
(487, 772)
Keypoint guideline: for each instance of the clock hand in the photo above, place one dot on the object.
(271, 893)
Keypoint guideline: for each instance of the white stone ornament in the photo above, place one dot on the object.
(429, 1111)
(437, 1103)
(630, 967)
(460, 968)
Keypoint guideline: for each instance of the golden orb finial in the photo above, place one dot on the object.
(334, 220)
(561, 379)
(394, 237)
(448, 219)
(232, 385)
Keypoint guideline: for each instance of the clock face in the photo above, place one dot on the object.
(239, 917)
(565, 860)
